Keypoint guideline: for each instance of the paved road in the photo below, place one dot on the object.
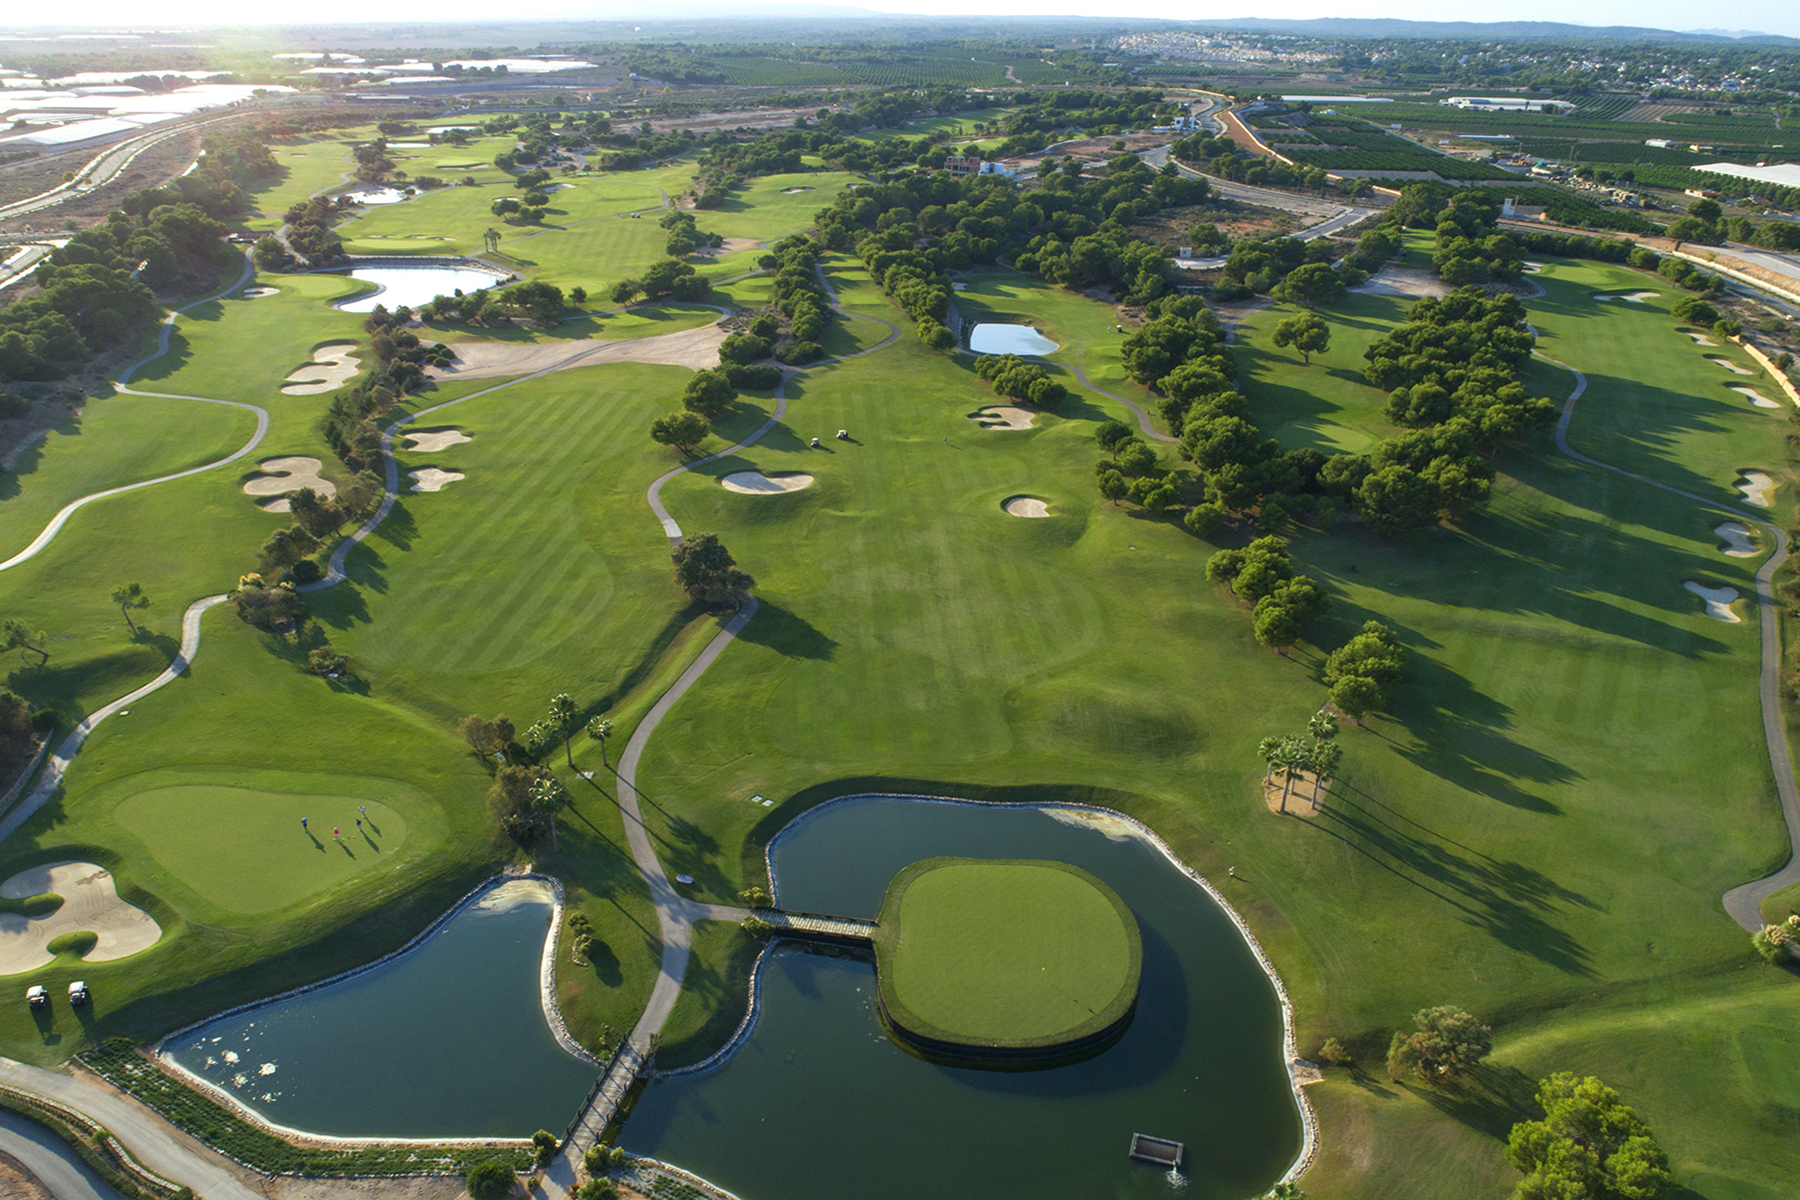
(106, 166)
(141, 1131)
(1336, 216)
(1781, 264)
(52, 1160)
(1744, 902)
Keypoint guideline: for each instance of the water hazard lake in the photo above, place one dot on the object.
(413, 286)
(990, 338)
(449, 1040)
(820, 1104)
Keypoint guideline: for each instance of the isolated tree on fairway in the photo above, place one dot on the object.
(1113, 487)
(479, 733)
(562, 711)
(1306, 333)
(1589, 1146)
(490, 238)
(1274, 625)
(682, 430)
(1447, 1043)
(17, 635)
(549, 797)
(707, 573)
(1323, 763)
(129, 596)
(710, 394)
(1291, 758)
(1269, 750)
(1362, 671)
(600, 729)
(1356, 696)
(1309, 285)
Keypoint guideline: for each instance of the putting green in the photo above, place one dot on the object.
(243, 849)
(1005, 954)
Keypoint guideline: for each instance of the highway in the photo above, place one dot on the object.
(1337, 216)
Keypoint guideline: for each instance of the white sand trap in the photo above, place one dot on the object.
(1632, 297)
(259, 293)
(755, 483)
(1729, 365)
(1532, 268)
(1700, 339)
(441, 439)
(1025, 506)
(695, 348)
(430, 479)
(794, 190)
(91, 904)
(1756, 488)
(1002, 416)
(331, 368)
(1737, 539)
(1398, 281)
(731, 246)
(288, 475)
(1756, 397)
(1718, 601)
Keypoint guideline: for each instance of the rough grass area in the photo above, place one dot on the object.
(1012, 953)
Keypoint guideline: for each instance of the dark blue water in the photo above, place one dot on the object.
(448, 1041)
(820, 1105)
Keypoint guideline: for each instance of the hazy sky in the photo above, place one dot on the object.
(1767, 16)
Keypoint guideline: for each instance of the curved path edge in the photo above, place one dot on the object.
(1744, 902)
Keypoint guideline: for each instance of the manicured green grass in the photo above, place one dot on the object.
(759, 210)
(244, 848)
(1005, 952)
(714, 993)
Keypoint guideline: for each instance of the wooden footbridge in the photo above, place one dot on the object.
(816, 927)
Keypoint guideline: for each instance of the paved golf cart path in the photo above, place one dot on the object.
(162, 347)
(1744, 902)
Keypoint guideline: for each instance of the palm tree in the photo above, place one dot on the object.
(1294, 756)
(600, 729)
(129, 596)
(1323, 762)
(549, 796)
(562, 711)
(1269, 749)
(1322, 726)
(490, 238)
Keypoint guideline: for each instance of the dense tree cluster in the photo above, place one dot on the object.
(801, 297)
(1590, 1145)
(1012, 376)
(1459, 358)
(1445, 1043)
(670, 277)
(685, 234)
(1258, 265)
(1363, 672)
(310, 226)
(1262, 576)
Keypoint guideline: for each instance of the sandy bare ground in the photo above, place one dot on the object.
(1025, 506)
(90, 904)
(1003, 416)
(1532, 268)
(1755, 397)
(1632, 297)
(430, 479)
(331, 368)
(694, 348)
(1718, 601)
(1303, 797)
(1397, 281)
(755, 483)
(1737, 538)
(288, 475)
(1730, 366)
(1756, 488)
(1700, 339)
(731, 246)
(435, 440)
(257, 293)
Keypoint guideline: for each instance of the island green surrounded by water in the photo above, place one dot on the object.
(1015, 956)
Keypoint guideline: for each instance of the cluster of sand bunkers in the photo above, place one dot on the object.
(333, 366)
(282, 477)
(79, 898)
(434, 479)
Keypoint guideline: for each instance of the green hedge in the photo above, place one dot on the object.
(118, 1061)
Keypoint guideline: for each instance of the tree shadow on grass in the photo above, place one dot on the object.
(787, 633)
(1491, 1099)
(1513, 903)
(690, 850)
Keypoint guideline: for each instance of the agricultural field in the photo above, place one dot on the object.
(1539, 827)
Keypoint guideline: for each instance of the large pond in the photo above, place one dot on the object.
(413, 286)
(989, 338)
(447, 1041)
(819, 1103)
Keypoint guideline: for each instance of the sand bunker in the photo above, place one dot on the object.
(430, 479)
(1532, 268)
(794, 190)
(1632, 297)
(440, 439)
(1737, 538)
(755, 483)
(1718, 601)
(731, 246)
(695, 348)
(288, 475)
(1756, 488)
(259, 293)
(1002, 416)
(91, 904)
(1756, 397)
(1025, 506)
(1700, 339)
(331, 368)
(1397, 281)
(1729, 365)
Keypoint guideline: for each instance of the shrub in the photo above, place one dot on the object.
(307, 570)
(797, 353)
(1333, 1052)
(755, 377)
(491, 1179)
(543, 1145)
(12, 405)
(766, 326)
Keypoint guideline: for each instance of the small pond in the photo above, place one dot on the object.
(384, 195)
(989, 338)
(449, 1040)
(413, 286)
(819, 1103)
